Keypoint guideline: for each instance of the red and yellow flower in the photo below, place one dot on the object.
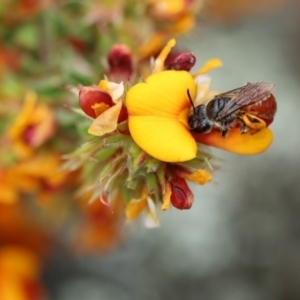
(34, 125)
(150, 163)
(20, 274)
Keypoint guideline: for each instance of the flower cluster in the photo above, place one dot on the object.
(139, 154)
(145, 151)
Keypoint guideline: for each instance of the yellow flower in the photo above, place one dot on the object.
(34, 125)
(158, 111)
(38, 174)
(173, 16)
(19, 270)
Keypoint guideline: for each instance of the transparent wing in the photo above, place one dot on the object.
(244, 96)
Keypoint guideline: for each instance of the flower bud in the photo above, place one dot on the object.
(120, 62)
(181, 197)
(180, 61)
(89, 96)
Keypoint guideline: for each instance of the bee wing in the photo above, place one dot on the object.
(244, 96)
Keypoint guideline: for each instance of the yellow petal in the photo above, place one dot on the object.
(45, 127)
(184, 24)
(201, 176)
(8, 195)
(165, 139)
(246, 144)
(26, 113)
(115, 90)
(160, 60)
(151, 46)
(19, 262)
(209, 65)
(134, 208)
(158, 112)
(163, 94)
(168, 7)
(167, 197)
(107, 121)
(103, 85)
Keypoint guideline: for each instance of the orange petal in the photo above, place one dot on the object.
(167, 197)
(245, 144)
(25, 115)
(184, 24)
(134, 208)
(209, 65)
(19, 262)
(201, 176)
(151, 46)
(160, 60)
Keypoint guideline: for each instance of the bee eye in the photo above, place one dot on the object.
(205, 127)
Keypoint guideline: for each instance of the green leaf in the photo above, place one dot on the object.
(27, 36)
(136, 158)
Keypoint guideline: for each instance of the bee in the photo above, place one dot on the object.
(250, 106)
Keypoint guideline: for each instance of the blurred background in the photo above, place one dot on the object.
(241, 239)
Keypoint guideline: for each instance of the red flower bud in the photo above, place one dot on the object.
(181, 197)
(180, 61)
(120, 62)
(78, 44)
(91, 95)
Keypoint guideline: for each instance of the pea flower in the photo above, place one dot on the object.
(20, 272)
(103, 102)
(148, 158)
(34, 125)
(169, 18)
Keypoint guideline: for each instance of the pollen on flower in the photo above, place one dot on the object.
(99, 108)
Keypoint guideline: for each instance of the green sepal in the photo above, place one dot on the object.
(161, 177)
(151, 164)
(136, 158)
(152, 185)
(200, 162)
(123, 127)
(104, 153)
(117, 140)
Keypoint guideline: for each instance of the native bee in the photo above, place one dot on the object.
(250, 106)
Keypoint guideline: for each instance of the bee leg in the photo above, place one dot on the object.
(224, 133)
(244, 128)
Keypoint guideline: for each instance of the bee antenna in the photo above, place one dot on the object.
(190, 98)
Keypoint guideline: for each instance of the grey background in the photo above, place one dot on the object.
(241, 239)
